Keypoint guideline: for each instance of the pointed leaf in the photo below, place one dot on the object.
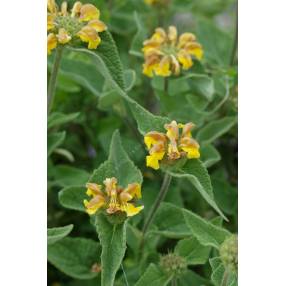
(57, 118)
(57, 233)
(55, 140)
(195, 172)
(215, 129)
(205, 232)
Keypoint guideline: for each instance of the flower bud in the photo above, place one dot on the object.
(173, 264)
(229, 253)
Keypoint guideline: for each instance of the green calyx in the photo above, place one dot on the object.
(70, 24)
(229, 253)
(116, 218)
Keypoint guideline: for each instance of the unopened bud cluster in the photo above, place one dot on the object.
(229, 253)
(173, 264)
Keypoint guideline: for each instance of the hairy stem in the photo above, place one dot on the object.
(53, 77)
(235, 42)
(166, 85)
(163, 191)
(224, 278)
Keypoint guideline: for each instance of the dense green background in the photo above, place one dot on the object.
(88, 110)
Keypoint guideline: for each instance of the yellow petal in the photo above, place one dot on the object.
(93, 205)
(50, 22)
(163, 68)
(52, 7)
(88, 12)
(89, 35)
(130, 209)
(134, 190)
(76, 8)
(153, 160)
(198, 53)
(52, 42)
(64, 8)
(185, 59)
(149, 141)
(159, 35)
(192, 152)
(186, 38)
(97, 25)
(172, 34)
(63, 36)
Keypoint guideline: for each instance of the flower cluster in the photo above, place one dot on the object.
(82, 22)
(173, 145)
(165, 53)
(114, 198)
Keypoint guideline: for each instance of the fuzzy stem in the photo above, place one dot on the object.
(166, 85)
(163, 191)
(234, 48)
(224, 278)
(53, 77)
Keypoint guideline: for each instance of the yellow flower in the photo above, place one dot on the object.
(52, 42)
(156, 144)
(173, 145)
(114, 198)
(165, 53)
(89, 35)
(81, 22)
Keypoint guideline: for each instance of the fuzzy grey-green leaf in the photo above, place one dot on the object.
(153, 276)
(113, 241)
(57, 233)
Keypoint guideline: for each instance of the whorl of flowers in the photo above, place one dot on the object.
(171, 146)
(81, 22)
(166, 53)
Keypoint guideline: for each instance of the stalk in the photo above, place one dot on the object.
(234, 48)
(225, 278)
(53, 77)
(163, 191)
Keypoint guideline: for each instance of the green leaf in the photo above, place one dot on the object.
(129, 79)
(55, 140)
(209, 155)
(65, 153)
(170, 222)
(106, 62)
(113, 241)
(197, 174)
(72, 197)
(215, 129)
(83, 73)
(193, 279)
(203, 85)
(193, 251)
(153, 276)
(216, 43)
(57, 118)
(138, 39)
(218, 273)
(66, 176)
(57, 233)
(205, 232)
(118, 165)
(108, 52)
(75, 256)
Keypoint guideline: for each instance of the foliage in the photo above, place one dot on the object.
(103, 107)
